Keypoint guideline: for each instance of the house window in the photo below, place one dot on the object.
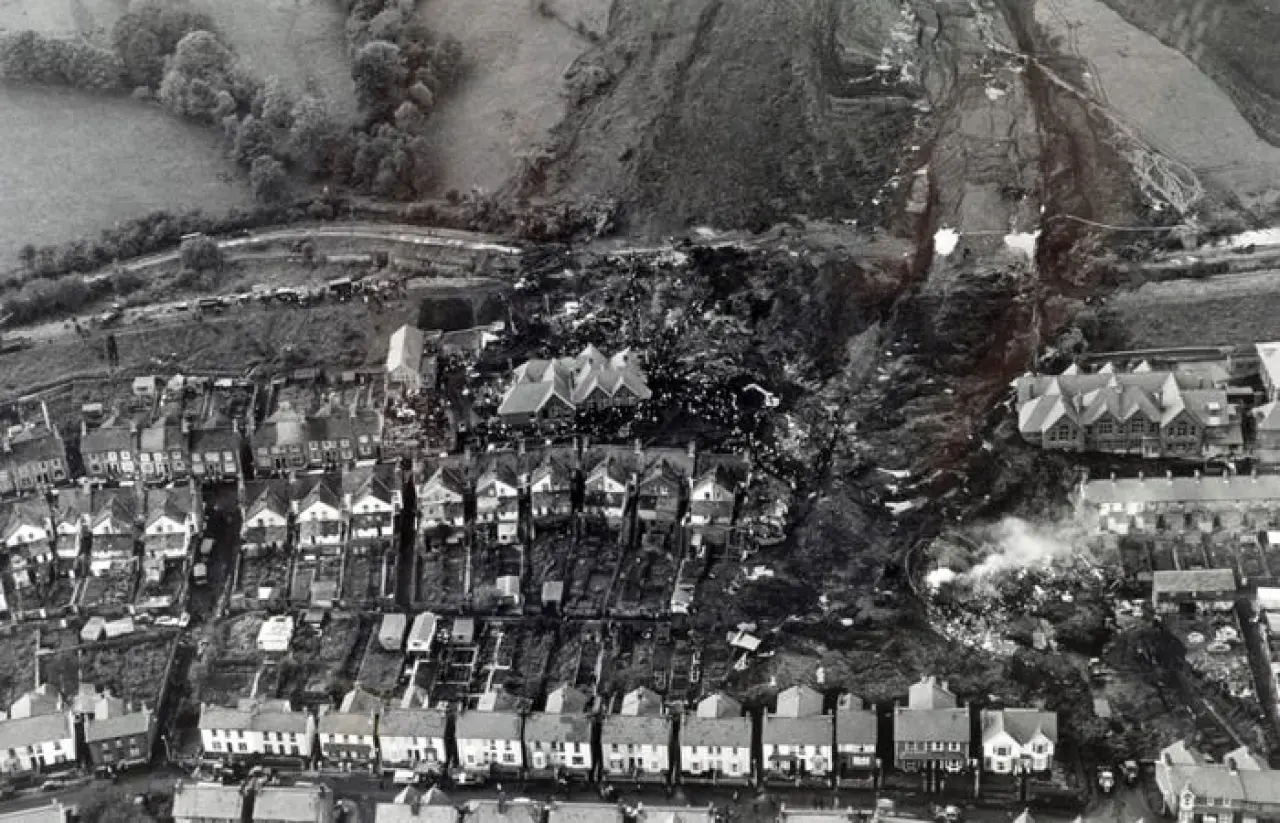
(1104, 427)
(1002, 751)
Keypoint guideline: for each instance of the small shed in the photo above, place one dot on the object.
(463, 631)
(391, 633)
(423, 633)
(119, 628)
(94, 630)
(553, 595)
(509, 587)
(145, 386)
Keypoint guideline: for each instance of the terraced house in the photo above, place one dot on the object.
(544, 390)
(558, 738)
(551, 487)
(318, 512)
(1144, 412)
(32, 457)
(413, 739)
(113, 529)
(264, 506)
(27, 531)
(442, 499)
(110, 451)
(1018, 740)
(372, 498)
(163, 451)
(489, 737)
(256, 727)
(215, 453)
(498, 500)
(290, 439)
(715, 742)
(931, 731)
(71, 508)
(38, 735)
(797, 737)
(636, 742)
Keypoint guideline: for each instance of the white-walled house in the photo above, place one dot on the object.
(797, 737)
(559, 737)
(551, 488)
(715, 742)
(372, 497)
(605, 489)
(711, 498)
(413, 739)
(38, 734)
(27, 533)
(489, 737)
(113, 529)
(1017, 740)
(441, 500)
(172, 522)
(268, 727)
(636, 742)
(498, 500)
(264, 515)
(71, 521)
(318, 512)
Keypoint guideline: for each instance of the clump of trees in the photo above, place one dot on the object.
(32, 57)
(201, 253)
(144, 37)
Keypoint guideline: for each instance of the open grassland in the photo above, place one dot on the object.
(88, 18)
(1230, 309)
(510, 97)
(302, 42)
(74, 164)
(1168, 100)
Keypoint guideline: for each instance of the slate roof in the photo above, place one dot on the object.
(108, 438)
(353, 723)
(296, 804)
(175, 503)
(854, 726)
(623, 729)
(812, 730)
(942, 725)
(1175, 490)
(162, 437)
(447, 478)
(1020, 724)
(715, 731)
(215, 440)
(206, 801)
(1193, 581)
(487, 725)
(121, 725)
(21, 732)
(319, 489)
(425, 723)
(557, 728)
(378, 481)
(404, 349)
(268, 495)
(260, 718)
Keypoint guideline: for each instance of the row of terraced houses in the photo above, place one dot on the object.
(573, 735)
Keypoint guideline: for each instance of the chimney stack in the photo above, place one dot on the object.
(44, 410)
(1197, 474)
(1168, 474)
(84, 429)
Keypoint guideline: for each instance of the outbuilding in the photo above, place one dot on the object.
(275, 634)
(423, 634)
(391, 633)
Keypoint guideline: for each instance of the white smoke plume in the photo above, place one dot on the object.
(985, 552)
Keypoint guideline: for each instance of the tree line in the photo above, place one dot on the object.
(175, 55)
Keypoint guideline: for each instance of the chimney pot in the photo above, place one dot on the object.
(1197, 474)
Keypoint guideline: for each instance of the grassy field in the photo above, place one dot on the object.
(74, 164)
(1167, 99)
(88, 18)
(510, 97)
(1224, 310)
(302, 42)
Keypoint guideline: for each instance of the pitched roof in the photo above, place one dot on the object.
(1244, 488)
(354, 723)
(107, 438)
(21, 732)
(162, 437)
(71, 505)
(799, 701)
(303, 804)
(425, 723)
(1020, 724)
(624, 729)
(322, 488)
(641, 701)
(943, 725)
(530, 398)
(554, 468)
(719, 705)
(363, 481)
(206, 801)
(610, 466)
(448, 478)
(261, 717)
(404, 350)
(175, 503)
(25, 511)
(715, 731)
(119, 504)
(34, 444)
(216, 439)
(856, 726)
(566, 699)
(267, 495)
(558, 728)
(121, 725)
(487, 725)
(1193, 581)
(808, 730)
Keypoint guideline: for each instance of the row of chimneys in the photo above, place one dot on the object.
(1196, 474)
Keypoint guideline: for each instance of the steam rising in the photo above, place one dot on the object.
(986, 552)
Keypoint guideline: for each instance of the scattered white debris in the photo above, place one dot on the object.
(945, 241)
(771, 400)
(939, 576)
(1024, 242)
(846, 621)
(759, 573)
(706, 231)
(994, 94)
(900, 474)
(900, 506)
(1258, 237)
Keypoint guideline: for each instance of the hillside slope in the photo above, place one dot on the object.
(733, 114)
(1232, 41)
